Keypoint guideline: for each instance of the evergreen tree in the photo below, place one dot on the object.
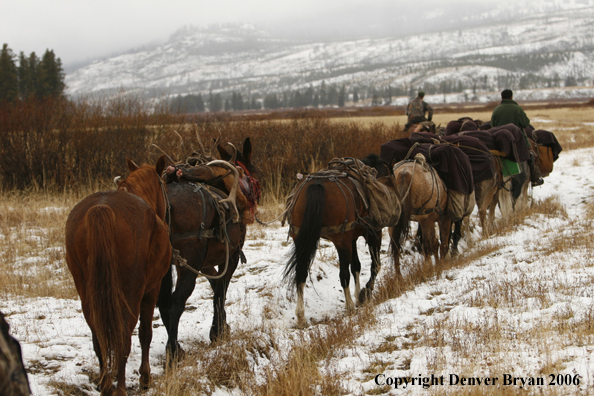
(332, 95)
(323, 94)
(215, 102)
(342, 96)
(570, 81)
(9, 88)
(199, 103)
(30, 78)
(50, 76)
(355, 95)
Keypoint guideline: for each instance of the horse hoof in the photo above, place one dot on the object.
(364, 295)
(218, 335)
(174, 354)
(145, 382)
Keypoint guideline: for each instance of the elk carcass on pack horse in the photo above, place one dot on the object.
(13, 376)
(211, 204)
(118, 250)
(332, 204)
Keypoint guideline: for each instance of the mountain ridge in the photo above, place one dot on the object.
(542, 50)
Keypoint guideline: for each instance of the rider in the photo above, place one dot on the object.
(416, 110)
(509, 112)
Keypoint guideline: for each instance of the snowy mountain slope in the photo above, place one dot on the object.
(552, 46)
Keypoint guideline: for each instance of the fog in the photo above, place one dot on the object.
(80, 31)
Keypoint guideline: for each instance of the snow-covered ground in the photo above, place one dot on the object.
(496, 316)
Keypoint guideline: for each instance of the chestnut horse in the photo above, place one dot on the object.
(206, 235)
(118, 250)
(329, 206)
(424, 199)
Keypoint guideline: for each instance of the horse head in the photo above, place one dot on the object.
(145, 181)
(249, 183)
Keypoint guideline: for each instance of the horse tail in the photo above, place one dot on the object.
(104, 294)
(404, 180)
(308, 237)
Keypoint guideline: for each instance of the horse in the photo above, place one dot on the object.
(118, 250)
(207, 234)
(13, 376)
(328, 205)
(424, 199)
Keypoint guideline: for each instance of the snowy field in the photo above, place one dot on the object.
(500, 316)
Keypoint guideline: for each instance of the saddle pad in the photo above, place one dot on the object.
(509, 168)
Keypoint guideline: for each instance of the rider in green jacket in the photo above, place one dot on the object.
(509, 112)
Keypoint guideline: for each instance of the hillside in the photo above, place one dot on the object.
(549, 49)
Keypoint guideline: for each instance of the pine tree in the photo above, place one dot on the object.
(9, 88)
(51, 76)
(342, 96)
(200, 103)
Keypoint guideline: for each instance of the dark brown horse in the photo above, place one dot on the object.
(118, 250)
(207, 235)
(328, 205)
(13, 377)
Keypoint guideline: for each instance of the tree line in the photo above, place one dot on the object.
(32, 78)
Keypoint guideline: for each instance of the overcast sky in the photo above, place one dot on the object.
(79, 30)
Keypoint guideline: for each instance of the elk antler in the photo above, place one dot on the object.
(164, 153)
(234, 156)
(200, 142)
(233, 193)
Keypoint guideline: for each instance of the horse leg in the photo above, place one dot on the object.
(374, 241)
(456, 235)
(344, 257)
(300, 308)
(356, 268)
(445, 229)
(186, 281)
(145, 335)
(219, 321)
(105, 384)
(121, 377)
(164, 300)
(430, 244)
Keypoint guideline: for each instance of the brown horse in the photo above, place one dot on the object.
(207, 235)
(328, 205)
(424, 199)
(13, 377)
(118, 250)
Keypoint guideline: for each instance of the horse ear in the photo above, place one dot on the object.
(247, 150)
(224, 154)
(131, 165)
(160, 165)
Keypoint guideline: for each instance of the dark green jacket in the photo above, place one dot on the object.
(509, 112)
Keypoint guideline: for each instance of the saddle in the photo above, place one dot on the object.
(377, 194)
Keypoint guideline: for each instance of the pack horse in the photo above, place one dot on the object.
(118, 250)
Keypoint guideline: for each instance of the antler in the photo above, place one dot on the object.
(164, 153)
(200, 142)
(234, 156)
(216, 142)
(233, 193)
